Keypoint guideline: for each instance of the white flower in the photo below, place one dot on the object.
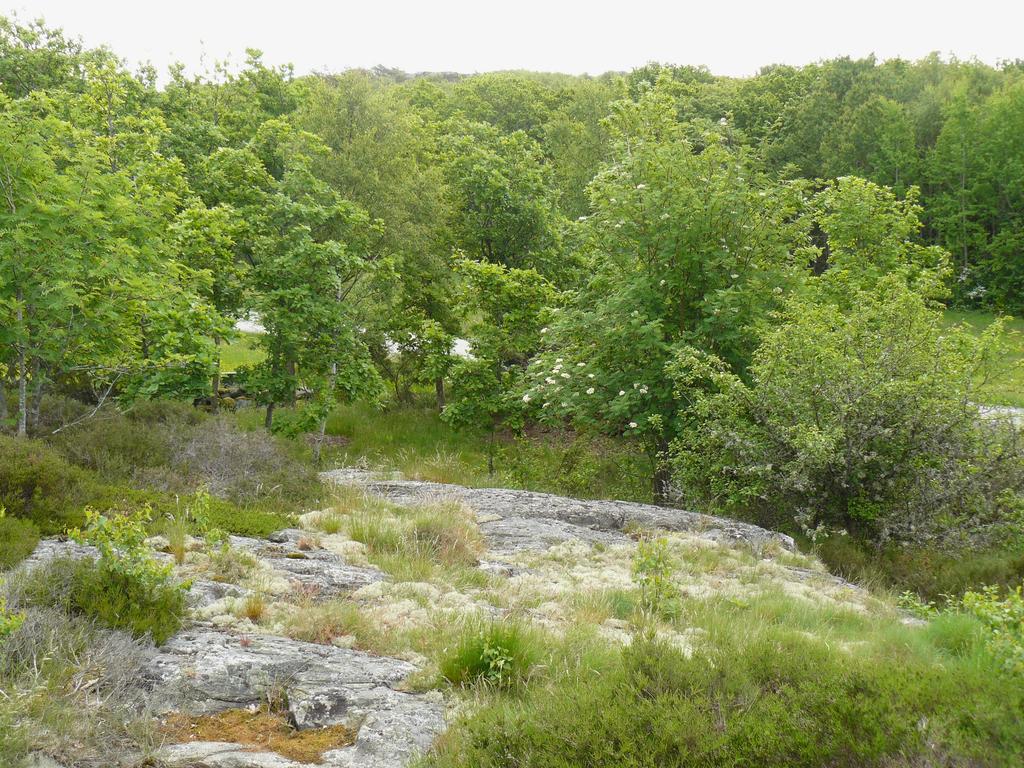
(558, 359)
(643, 390)
(580, 365)
(734, 276)
(556, 369)
(636, 384)
(549, 380)
(664, 216)
(545, 405)
(565, 375)
(543, 330)
(662, 282)
(641, 186)
(590, 375)
(526, 398)
(632, 425)
(622, 392)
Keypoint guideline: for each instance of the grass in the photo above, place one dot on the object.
(69, 690)
(242, 351)
(1009, 390)
(415, 441)
(500, 654)
(419, 543)
(771, 680)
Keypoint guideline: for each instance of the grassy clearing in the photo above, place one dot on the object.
(244, 350)
(1009, 390)
(416, 442)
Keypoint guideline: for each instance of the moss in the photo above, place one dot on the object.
(262, 729)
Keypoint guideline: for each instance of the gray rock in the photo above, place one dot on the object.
(323, 573)
(204, 672)
(515, 534)
(490, 504)
(204, 592)
(220, 754)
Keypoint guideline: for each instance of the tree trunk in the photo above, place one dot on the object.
(215, 401)
(331, 383)
(22, 376)
(290, 368)
(662, 473)
(36, 406)
(439, 389)
(268, 420)
(490, 453)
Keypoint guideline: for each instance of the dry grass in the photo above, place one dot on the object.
(261, 729)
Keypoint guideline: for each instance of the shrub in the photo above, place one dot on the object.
(926, 571)
(38, 485)
(652, 573)
(18, 539)
(500, 654)
(175, 449)
(1003, 618)
(72, 690)
(126, 588)
(861, 421)
(10, 622)
(758, 697)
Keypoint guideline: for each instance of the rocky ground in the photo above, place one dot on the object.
(256, 605)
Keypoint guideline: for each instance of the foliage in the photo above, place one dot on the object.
(925, 571)
(862, 421)
(652, 573)
(684, 247)
(10, 621)
(18, 539)
(499, 654)
(127, 587)
(1003, 618)
(758, 695)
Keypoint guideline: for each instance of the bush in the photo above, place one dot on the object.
(126, 588)
(72, 690)
(38, 485)
(176, 449)
(862, 421)
(759, 698)
(18, 539)
(929, 573)
(500, 654)
(1003, 618)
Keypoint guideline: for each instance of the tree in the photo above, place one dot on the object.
(684, 248)
(503, 209)
(860, 419)
(505, 309)
(205, 239)
(86, 286)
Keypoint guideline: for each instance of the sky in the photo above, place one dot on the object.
(731, 38)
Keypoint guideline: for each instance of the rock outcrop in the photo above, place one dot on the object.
(203, 672)
(514, 520)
